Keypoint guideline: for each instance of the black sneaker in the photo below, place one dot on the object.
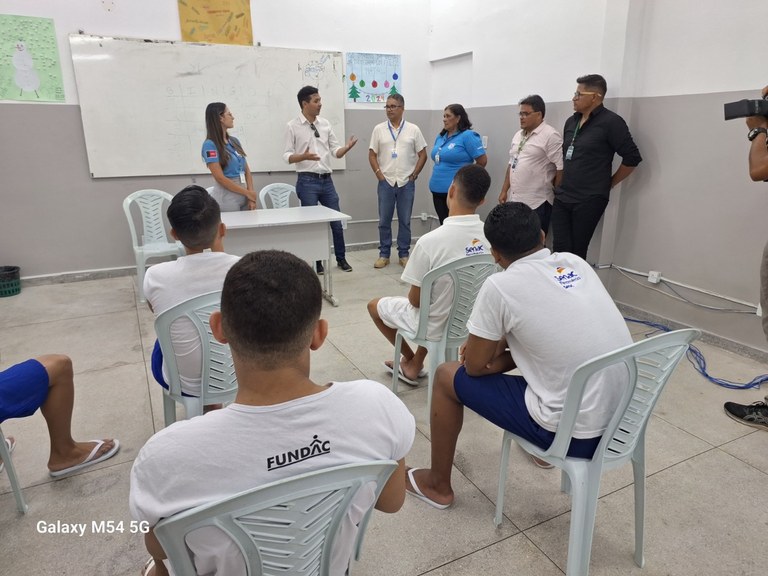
(319, 268)
(755, 414)
(344, 265)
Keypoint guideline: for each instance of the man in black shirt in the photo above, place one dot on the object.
(591, 137)
(756, 414)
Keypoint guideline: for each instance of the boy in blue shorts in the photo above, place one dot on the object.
(195, 219)
(546, 314)
(47, 383)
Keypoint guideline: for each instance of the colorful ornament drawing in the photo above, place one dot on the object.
(372, 76)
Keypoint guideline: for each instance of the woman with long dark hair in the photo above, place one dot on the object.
(456, 146)
(225, 158)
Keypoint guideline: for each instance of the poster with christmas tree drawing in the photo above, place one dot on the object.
(371, 78)
(30, 69)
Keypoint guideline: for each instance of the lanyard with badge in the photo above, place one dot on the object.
(233, 151)
(520, 149)
(569, 151)
(394, 138)
(445, 141)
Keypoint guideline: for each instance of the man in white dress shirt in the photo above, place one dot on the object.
(309, 143)
(535, 161)
(397, 155)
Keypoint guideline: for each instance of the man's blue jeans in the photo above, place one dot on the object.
(389, 197)
(312, 191)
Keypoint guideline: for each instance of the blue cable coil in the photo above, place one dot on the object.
(696, 358)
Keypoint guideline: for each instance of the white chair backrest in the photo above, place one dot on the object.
(286, 527)
(150, 203)
(467, 275)
(279, 195)
(649, 364)
(219, 383)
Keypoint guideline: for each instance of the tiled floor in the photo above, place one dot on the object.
(706, 493)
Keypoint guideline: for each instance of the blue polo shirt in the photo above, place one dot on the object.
(236, 163)
(455, 151)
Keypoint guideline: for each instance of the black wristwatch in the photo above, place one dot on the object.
(755, 131)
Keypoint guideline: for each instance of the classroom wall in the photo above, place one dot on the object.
(57, 219)
(689, 210)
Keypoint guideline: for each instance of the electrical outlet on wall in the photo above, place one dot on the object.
(654, 276)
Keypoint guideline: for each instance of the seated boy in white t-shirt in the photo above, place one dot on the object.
(460, 235)
(278, 409)
(195, 220)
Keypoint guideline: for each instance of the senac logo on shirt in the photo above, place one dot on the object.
(566, 277)
(211, 154)
(474, 247)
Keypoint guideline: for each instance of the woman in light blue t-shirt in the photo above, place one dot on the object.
(456, 146)
(224, 156)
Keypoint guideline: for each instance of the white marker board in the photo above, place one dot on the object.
(143, 102)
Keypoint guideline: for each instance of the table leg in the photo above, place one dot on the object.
(328, 276)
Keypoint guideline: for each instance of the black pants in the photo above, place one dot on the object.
(574, 224)
(544, 211)
(441, 206)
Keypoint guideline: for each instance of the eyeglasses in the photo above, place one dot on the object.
(525, 114)
(578, 94)
(317, 134)
(392, 107)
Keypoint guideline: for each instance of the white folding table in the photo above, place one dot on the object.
(302, 230)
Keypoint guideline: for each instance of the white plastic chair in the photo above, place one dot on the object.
(287, 527)
(5, 455)
(468, 275)
(649, 364)
(219, 383)
(279, 195)
(154, 240)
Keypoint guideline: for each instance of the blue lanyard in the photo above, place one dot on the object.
(389, 125)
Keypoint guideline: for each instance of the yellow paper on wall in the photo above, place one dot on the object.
(216, 21)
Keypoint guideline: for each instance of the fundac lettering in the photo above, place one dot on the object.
(566, 277)
(475, 247)
(316, 448)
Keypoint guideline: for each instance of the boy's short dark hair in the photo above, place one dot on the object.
(270, 304)
(472, 182)
(513, 229)
(305, 94)
(195, 217)
(594, 82)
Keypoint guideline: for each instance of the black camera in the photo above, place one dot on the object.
(744, 108)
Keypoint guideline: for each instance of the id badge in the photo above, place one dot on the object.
(514, 162)
(394, 153)
(437, 158)
(569, 152)
(242, 177)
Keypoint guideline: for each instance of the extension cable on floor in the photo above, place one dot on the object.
(696, 358)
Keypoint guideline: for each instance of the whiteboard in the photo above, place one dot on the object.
(143, 102)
